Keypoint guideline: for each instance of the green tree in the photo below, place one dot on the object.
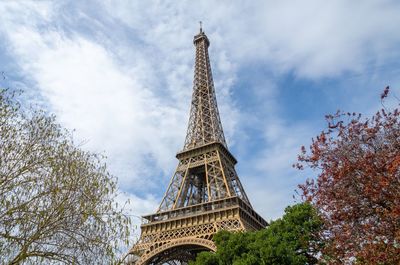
(292, 239)
(56, 200)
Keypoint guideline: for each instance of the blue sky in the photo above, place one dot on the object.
(120, 74)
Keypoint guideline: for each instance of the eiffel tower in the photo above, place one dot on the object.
(205, 194)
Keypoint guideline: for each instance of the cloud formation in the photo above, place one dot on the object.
(120, 74)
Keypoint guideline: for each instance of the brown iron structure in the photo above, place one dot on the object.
(205, 194)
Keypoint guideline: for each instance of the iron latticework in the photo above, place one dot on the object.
(205, 194)
(204, 122)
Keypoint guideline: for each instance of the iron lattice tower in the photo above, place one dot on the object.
(205, 194)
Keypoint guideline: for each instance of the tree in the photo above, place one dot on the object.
(291, 240)
(56, 200)
(357, 191)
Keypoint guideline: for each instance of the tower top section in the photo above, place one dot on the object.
(201, 37)
(204, 121)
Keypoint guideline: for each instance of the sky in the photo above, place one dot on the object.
(119, 75)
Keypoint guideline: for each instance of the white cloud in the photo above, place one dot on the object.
(93, 95)
(312, 38)
(108, 105)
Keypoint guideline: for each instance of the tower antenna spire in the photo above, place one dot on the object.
(201, 28)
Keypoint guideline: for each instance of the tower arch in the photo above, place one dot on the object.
(177, 251)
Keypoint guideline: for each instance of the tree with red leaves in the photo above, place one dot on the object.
(357, 191)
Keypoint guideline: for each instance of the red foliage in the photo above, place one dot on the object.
(358, 189)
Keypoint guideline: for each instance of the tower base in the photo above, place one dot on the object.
(176, 236)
